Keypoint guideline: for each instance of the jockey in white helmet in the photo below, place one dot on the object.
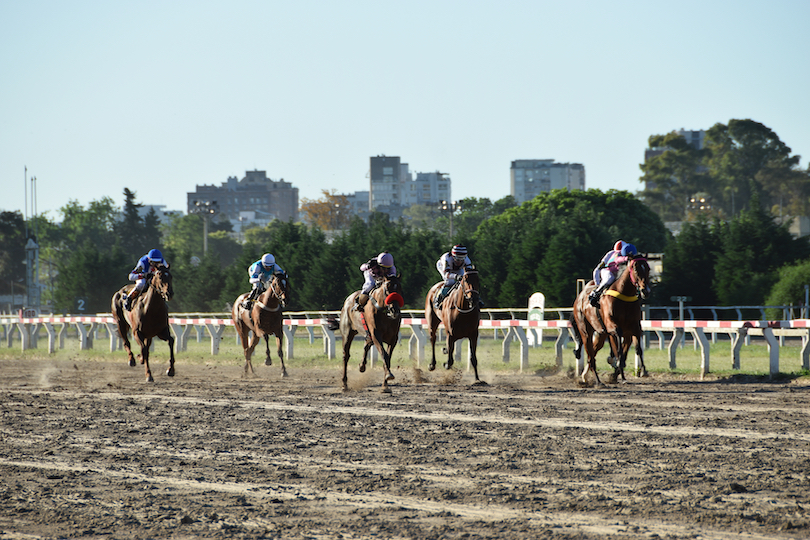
(451, 266)
(260, 273)
(374, 270)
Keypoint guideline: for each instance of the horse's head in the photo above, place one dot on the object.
(162, 282)
(280, 288)
(640, 275)
(470, 285)
(392, 292)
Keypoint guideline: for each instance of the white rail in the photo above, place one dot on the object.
(527, 333)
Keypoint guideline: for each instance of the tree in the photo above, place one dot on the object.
(331, 212)
(514, 249)
(689, 264)
(673, 176)
(751, 251)
(789, 289)
(737, 156)
(12, 251)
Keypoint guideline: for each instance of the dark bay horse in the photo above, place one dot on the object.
(379, 322)
(265, 319)
(460, 313)
(618, 318)
(148, 318)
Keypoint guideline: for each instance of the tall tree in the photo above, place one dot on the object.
(672, 177)
(736, 155)
(12, 251)
(331, 212)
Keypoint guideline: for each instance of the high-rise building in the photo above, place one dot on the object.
(255, 195)
(392, 185)
(530, 177)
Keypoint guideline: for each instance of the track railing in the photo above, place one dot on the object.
(528, 334)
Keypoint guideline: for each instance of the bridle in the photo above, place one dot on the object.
(636, 279)
(469, 293)
(278, 290)
(161, 285)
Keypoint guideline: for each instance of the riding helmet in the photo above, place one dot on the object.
(385, 259)
(268, 260)
(459, 252)
(155, 255)
(629, 250)
(618, 245)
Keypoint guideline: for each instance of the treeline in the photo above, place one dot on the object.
(543, 245)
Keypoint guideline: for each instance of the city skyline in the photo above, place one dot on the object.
(158, 98)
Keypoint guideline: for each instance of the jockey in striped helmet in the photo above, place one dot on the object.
(451, 266)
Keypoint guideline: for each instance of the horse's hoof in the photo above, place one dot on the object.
(385, 390)
(268, 362)
(131, 362)
(346, 390)
(284, 374)
(448, 365)
(389, 377)
(479, 382)
(150, 379)
(444, 350)
(432, 367)
(362, 368)
(170, 372)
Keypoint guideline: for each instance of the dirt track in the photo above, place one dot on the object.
(88, 450)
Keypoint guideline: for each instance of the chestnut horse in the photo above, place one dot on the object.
(148, 318)
(264, 319)
(460, 313)
(379, 321)
(618, 318)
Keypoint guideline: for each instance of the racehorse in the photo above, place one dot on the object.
(264, 319)
(148, 318)
(461, 314)
(618, 318)
(379, 321)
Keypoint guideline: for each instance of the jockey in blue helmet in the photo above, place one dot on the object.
(142, 273)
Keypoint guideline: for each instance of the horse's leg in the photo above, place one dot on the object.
(366, 347)
(347, 344)
(433, 331)
(390, 375)
(166, 335)
(145, 358)
(474, 357)
(280, 355)
(254, 339)
(640, 354)
(123, 333)
(267, 360)
(375, 338)
(451, 346)
(590, 349)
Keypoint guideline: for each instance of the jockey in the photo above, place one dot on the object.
(260, 273)
(374, 270)
(605, 273)
(451, 266)
(142, 273)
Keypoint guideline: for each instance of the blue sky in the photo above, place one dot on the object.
(162, 96)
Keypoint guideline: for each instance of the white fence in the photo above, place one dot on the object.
(527, 333)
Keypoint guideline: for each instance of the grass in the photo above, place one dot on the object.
(754, 358)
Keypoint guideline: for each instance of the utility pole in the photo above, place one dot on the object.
(206, 210)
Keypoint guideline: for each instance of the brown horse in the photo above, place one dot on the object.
(379, 321)
(461, 314)
(264, 319)
(618, 317)
(148, 318)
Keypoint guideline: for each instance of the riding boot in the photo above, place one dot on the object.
(360, 302)
(437, 303)
(248, 303)
(594, 297)
(130, 298)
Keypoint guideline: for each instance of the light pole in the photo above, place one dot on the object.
(448, 207)
(207, 210)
